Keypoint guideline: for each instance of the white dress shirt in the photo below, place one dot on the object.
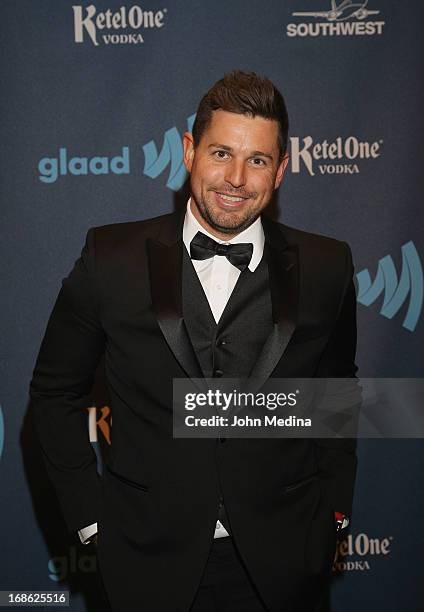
(218, 278)
(217, 275)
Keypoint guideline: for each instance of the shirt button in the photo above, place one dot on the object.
(219, 287)
(222, 342)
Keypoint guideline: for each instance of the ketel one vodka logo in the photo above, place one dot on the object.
(339, 156)
(342, 18)
(355, 553)
(123, 26)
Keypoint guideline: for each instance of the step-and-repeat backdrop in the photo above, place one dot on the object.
(95, 99)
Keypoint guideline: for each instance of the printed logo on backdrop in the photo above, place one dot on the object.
(122, 27)
(342, 18)
(171, 154)
(155, 163)
(358, 553)
(408, 289)
(99, 431)
(99, 423)
(339, 156)
(51, 168)
(61, 568)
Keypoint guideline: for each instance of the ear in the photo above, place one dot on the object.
(188, 144)
(280, 170)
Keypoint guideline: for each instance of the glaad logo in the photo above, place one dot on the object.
(59, 568)
(113, 24)
(171, 153)
(362, 548)
(343, 19)
(1, 431)
(395, 291)
(50, 168)
(341, 156)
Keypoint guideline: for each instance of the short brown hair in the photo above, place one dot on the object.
(245, 93)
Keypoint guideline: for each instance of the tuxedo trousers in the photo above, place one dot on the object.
(226, 585)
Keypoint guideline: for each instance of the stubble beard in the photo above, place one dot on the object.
(233, 223)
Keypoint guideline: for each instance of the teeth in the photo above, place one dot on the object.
(230, 198)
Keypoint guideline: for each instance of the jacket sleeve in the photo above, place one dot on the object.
(337, 456)
(73, 344)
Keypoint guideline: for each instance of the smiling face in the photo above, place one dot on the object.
(234, 170)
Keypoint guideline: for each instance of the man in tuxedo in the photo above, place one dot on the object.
(217, 290)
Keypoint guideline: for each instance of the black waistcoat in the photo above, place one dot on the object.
(230, 347)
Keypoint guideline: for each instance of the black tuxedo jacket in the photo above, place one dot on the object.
(156, 502)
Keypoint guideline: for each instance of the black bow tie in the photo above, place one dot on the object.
(203, 247)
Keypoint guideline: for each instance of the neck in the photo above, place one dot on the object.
(212, 230)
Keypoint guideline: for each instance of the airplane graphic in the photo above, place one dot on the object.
(345, 10)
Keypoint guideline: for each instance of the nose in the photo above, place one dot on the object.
(235, 173)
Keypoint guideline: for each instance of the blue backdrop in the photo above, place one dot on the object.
(95, 100)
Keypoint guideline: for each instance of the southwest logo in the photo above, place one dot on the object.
(396, 290)
(341, 18)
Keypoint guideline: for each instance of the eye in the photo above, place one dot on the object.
(221, 154)
(258, 161)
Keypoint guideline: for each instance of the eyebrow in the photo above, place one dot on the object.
(229, 149)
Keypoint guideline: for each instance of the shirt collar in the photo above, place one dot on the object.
(254, 234)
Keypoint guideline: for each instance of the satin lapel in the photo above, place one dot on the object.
(283, 269)
(165, 265)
